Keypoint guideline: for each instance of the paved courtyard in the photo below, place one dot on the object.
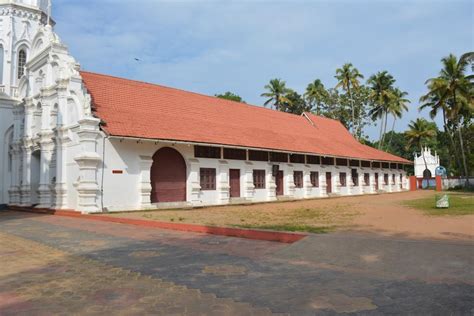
(54, 265)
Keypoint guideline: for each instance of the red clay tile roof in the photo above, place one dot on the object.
(137, 109)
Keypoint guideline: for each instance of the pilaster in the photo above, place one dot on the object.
(249, 187)
(271, 191)
(194, 182)
(145, 184)
(290, 180)
(44, 190)
(25, 187)
(88, 161)
(307, 186)
(223, 182)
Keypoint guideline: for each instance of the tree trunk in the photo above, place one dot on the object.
(393, 130)
(384, 128)
(466, 174)
(352, 108)
(461, 143)
(381, 129)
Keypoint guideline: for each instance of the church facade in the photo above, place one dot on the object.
(75, 140)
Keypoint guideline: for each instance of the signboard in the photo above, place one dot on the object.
(442, 201)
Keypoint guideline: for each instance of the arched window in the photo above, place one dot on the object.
(21, 63)
(1, 64)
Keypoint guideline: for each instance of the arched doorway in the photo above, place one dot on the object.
(427, 174)
(168, 176)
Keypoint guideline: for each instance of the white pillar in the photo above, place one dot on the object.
(271, 190)
(44, 190)
(25, 187)
(88, 161)
(194, 182)
(62, 140)
(322, 181)
(223, 186)
(145, 187)
(307, 186)
(290, 180)
(249, 187)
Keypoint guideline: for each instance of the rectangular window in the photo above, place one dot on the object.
(235, 154)
(365, 164)
(296, 158)
(314, 179)
(341, 162)
(366, 179)
(298, 178)
(257, 155)
(207, 152)
(329, 161)
(342, 179)
(385, 165)
(259, 179)
(354, 163)
(385, 178)
(278, 157)
(208, 178)
(375, 164)
(314, 160)
(355, 177)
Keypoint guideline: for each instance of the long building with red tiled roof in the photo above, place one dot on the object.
(91, 143)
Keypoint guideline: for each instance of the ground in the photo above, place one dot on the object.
(387, 214)
(61, 265)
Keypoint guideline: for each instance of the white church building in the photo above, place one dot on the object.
(426, 163)
(75, 140)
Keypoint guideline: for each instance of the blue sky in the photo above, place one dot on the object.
(215, 46)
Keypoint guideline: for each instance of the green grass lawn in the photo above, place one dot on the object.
(459, 204)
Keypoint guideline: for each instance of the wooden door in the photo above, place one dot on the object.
(234, 183)
(279, 183)
(376, 182)
(168, 176)
(328, 182)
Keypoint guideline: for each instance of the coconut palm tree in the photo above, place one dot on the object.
(435, 101)
(277, 91)
(381, 95)
(348, 79)
(315, 95)
(453, 89)
(396, 108)
(419, 132)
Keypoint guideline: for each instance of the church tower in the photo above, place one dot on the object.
(20, 20)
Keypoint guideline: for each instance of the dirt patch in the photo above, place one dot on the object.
(384, 214)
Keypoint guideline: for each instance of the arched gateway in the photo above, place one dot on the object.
(168, 176)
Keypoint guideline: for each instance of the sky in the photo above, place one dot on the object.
(211, 46)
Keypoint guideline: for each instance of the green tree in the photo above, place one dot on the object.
(295, 103)
(398, 105)
(348, 79)
(452, 92)
(276, 93)
(419, 134)
(316, 95)
(230, 96)
(381, 85)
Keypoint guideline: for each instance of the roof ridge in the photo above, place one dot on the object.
(253, 106)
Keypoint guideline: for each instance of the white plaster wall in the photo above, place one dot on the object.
(122, 191)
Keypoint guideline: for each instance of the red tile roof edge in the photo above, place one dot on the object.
(309, 117)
